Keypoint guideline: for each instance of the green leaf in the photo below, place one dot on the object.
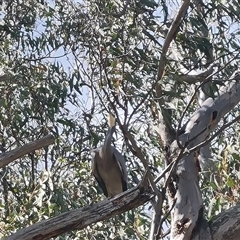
(230, 182)
(66, 122)
(236, 156)
(149, 3)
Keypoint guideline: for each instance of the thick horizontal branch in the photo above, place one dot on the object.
(78, 219)
(8, 157)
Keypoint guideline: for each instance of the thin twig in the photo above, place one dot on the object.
(164, 172)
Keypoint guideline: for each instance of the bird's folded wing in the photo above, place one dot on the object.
(97, 175)
(121, 162)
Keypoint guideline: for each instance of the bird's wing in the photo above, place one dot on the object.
(122, 165)
(97, 175)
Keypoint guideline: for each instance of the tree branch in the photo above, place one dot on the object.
(226, 225)
(198, 128)
(8, 157)
(164, 125)
(78, 219)
(170, 35)
(200, 77)
(164, 117)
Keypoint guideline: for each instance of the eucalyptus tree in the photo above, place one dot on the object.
(168, 72)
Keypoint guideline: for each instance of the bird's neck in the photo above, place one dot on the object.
(107, 143)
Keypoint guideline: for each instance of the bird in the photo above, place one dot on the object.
(109, 166)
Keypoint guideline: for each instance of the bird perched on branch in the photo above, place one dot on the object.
(108, 165)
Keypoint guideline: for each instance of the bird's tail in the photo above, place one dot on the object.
(111, 120)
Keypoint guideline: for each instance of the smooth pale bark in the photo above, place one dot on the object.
(164, 117)
(207, 164)
(189, 202)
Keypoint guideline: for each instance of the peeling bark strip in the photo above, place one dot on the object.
(78, 219)
(198, 128)
(8, 157)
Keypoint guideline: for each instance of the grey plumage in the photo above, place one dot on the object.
(108, 165)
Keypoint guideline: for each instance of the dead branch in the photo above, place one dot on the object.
(78, 219)
(8, 157)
